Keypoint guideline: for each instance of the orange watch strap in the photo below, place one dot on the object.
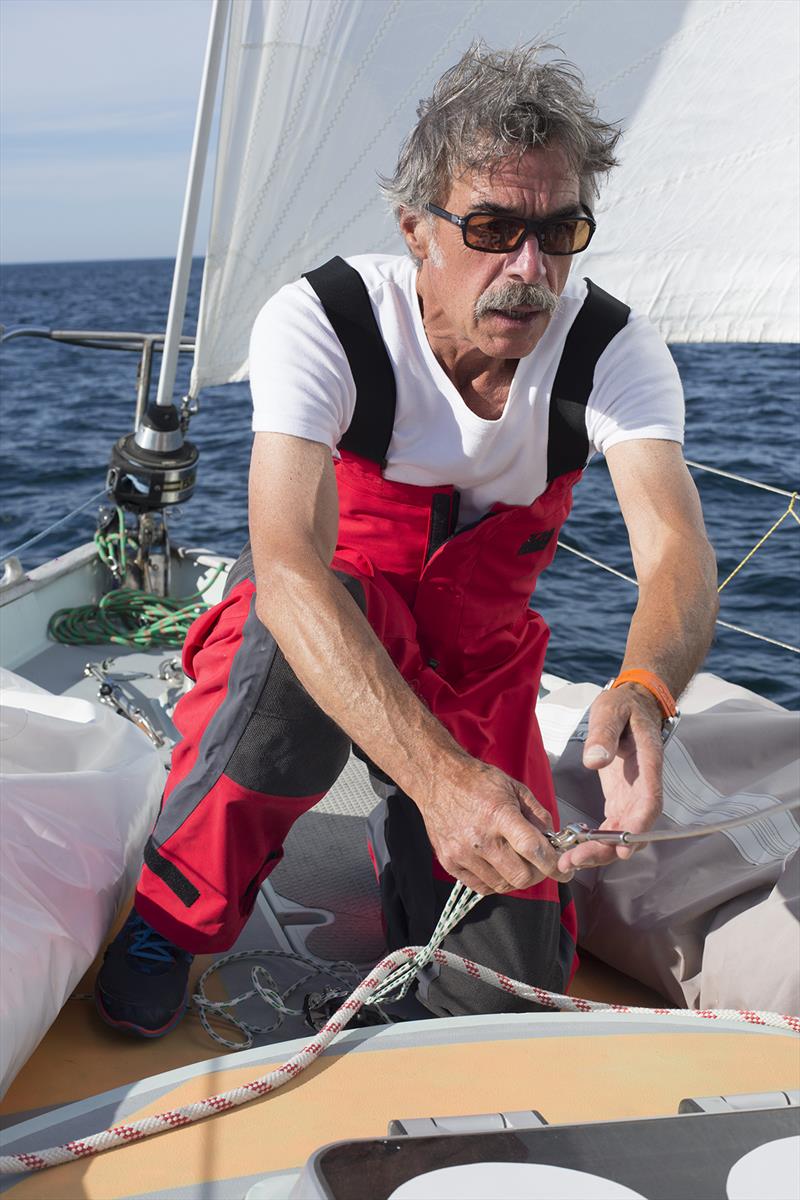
(654, 685)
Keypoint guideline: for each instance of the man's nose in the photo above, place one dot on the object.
(527, 263)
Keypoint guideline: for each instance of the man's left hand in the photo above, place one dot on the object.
(624, 745)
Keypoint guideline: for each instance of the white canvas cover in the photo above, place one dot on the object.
(79, 789)
(697, 227)
(710, 922)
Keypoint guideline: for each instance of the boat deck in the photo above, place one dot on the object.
(322, 901)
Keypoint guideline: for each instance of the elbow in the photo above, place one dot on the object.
(707, 563)
(285, 579)
(710, 572)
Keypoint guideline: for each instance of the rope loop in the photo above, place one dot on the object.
(123, 1134)
(263, 985)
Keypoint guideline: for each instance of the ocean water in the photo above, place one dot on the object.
(63, 407)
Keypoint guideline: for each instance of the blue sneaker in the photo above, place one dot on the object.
(142, 987)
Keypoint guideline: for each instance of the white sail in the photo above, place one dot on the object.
(698, 227)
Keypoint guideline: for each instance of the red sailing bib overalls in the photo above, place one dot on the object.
(452, 609)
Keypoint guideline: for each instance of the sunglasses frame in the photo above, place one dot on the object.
(532, 228)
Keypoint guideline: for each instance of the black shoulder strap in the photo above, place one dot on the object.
(600, 319)
(347, 306)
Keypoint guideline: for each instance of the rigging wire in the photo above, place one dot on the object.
(766, 487)
(61, 521)
(128, 617)
(761, 637)
(789, 512)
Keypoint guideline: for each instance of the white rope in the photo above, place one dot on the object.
(460, 901)
(126, 1132)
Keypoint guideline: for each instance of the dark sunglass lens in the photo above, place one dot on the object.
(565, 237)
(484, 231)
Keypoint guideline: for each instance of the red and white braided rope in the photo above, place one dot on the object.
(122, 1134)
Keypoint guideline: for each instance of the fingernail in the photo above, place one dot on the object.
(595, 756)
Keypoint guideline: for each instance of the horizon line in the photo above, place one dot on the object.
(64, 262)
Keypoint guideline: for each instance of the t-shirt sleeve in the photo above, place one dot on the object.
(300, 379)
(637, 391)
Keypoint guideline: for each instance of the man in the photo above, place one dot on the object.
(385, 602)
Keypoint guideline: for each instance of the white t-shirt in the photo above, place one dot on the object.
(302, 385)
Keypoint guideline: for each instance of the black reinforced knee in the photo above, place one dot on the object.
(289, 746)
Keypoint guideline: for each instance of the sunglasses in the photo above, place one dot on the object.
(495, 233)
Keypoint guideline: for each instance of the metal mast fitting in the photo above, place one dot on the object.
(191, 204)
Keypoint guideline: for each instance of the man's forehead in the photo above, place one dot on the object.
(536, 177)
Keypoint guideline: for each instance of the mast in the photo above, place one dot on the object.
(191, 204)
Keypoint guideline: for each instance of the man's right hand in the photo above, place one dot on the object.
(487, 830)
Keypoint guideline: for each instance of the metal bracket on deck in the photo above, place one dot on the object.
(744, 1102)
(480, 1123)
(13, 572)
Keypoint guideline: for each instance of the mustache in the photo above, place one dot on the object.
(516, 295)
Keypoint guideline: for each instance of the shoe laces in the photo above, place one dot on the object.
(146, 943)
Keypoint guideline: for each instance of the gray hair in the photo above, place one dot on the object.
(493, 104)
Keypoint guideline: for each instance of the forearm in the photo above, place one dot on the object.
(337, 657)
(673, 624)
(485, 828)
(669, 635)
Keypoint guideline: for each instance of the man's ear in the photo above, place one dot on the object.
(416, 230)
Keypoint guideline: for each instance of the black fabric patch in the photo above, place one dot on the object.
(567, 945)
(439, 529)
(347, 306)
(599, 321)
(166, 871)
(524, 939)
(537, 541)
(289, 746)
(408, 899)
(242, 569)
(355, 587)
(246, 674)
(520, 938)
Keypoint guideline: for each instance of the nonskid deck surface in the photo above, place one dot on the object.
(572, 1068)
(322, 900)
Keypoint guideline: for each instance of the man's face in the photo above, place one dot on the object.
(540, 184)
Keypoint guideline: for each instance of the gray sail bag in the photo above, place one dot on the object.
(709, 922)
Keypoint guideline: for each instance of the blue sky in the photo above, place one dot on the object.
(98, 105)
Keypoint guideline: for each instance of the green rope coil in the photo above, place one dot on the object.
(127, 616)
